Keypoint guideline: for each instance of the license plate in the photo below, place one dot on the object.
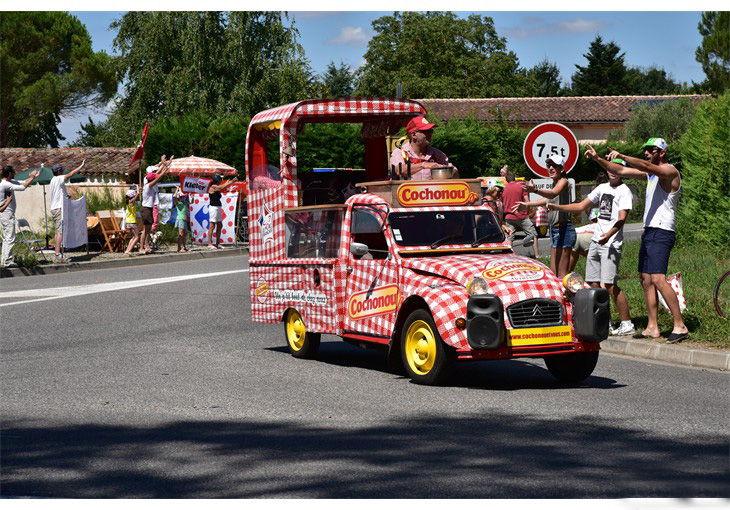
(540, 336)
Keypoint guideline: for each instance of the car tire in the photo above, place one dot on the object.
(572, 368)
(302, 343)
(424, 355)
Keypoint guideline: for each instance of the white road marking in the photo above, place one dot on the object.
(81, 290)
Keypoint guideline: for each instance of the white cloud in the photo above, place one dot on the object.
(576, 26)
(353, 36)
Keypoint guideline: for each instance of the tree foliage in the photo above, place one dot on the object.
(704, 212)
(605, 72)
(669, 119)
(650, 82)
(338, 81)
(437, 54)
(48, 69)
(215, 62)
(714, 52)
(543, 80)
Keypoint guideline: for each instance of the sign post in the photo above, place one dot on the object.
(547, 139)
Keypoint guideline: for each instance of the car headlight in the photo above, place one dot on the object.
(573, 282)
(477, 286)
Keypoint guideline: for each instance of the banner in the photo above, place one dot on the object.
(73, 221)
(190, 184)
(164, 208)
(199, 222)
(140, 146)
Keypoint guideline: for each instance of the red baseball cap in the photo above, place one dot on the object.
(419, 124)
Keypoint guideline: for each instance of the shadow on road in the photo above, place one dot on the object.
(499, 455)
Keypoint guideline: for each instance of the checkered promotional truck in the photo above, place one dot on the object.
(419, 269)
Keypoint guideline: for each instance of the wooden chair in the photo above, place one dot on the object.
(114, 236)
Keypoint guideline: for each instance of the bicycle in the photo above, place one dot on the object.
(721, 295)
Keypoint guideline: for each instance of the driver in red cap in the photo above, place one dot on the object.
(419, 152)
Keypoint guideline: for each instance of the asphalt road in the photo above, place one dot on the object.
(167, 390)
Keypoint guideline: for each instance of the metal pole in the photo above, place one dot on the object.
(45, 215)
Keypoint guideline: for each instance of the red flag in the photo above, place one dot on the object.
(137, 156)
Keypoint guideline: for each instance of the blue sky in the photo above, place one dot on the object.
(664, 39)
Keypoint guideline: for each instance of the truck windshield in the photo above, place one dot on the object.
(436, 228)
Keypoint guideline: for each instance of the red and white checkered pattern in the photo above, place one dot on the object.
(195, 166)
(199, 231)
(675, 281)
(540, 218)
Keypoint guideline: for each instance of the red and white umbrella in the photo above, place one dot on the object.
(200, 167)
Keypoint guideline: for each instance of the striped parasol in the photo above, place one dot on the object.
(200, 167)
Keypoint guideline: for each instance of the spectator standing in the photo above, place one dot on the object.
(130, 219)
(180, 203)
(662, 195)
(419, 152)
(492, 201)
(562, 231)
(149, 195)
(215, 216)
(584, 234)
(58, 193)
(8, 187)
(614, 201)
(517, 219)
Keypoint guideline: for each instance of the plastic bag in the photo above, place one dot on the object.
(675, 281)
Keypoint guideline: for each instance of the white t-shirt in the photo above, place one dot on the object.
(8, 189)
(149, 195)
(58, 191)
(610, 201)
(660, 206)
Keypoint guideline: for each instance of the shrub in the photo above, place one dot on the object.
(668, 120)
(103, 201)
(704, 212)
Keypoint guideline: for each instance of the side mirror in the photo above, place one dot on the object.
(359, 249)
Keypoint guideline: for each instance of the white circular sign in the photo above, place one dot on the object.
(550, 139)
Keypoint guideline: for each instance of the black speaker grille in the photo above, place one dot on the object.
(535, 312)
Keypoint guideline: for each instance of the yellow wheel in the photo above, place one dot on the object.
(301, 343)
(424, 356)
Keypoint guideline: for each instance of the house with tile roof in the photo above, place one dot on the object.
(589, 117)
(105, 167)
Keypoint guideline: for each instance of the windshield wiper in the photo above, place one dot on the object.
(481, 240)
(441, 241)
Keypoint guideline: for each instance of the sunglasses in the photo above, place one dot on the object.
(651, 150)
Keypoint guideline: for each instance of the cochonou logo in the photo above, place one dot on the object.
(382, 300)
(513, 271)
(425, 194)
(262, 290)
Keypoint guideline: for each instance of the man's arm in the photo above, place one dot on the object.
(614, 168)
(622, 215)
(6, 203)
(576, 207)
(74, 171)
(664, 171)
(165, 167)
(31, 178)
(548, 193)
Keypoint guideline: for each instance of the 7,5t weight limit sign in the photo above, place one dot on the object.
(549, 139)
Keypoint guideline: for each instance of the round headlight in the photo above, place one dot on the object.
(573, 282)
(477, 286)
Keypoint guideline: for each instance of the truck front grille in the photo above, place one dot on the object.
(535, 312)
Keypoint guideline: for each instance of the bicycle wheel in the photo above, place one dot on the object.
(721, 296)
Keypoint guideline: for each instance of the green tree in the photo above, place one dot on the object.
(714, 52)
(605, 73)
(650, 82)
(338, 81)
(668, 119)
(543, 80)
(704, 213)
(215, 62)
(437, 54)
(48, 69)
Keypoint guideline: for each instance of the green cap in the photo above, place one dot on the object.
(619, 161)
(656, 142)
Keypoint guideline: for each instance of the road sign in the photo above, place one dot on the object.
(549, 138)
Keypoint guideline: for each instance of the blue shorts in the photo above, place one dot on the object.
(563, 235)
(656, 243)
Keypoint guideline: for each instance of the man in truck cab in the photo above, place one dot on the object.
(419, 152)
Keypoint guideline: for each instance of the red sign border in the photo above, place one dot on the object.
(532, 164)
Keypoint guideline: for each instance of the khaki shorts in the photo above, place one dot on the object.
(57, 220)
(583, 242)
(602, 263)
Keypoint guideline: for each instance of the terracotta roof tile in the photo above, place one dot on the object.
(584, 109)
(99, 160)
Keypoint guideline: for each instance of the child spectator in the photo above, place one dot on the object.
(180, 203)
(584, 234)
(130, 219)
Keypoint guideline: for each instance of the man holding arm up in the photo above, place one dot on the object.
(662, 196)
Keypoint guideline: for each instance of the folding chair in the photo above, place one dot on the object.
(26, 239)
(114, 237)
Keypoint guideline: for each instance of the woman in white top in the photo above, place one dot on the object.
(149, 193)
